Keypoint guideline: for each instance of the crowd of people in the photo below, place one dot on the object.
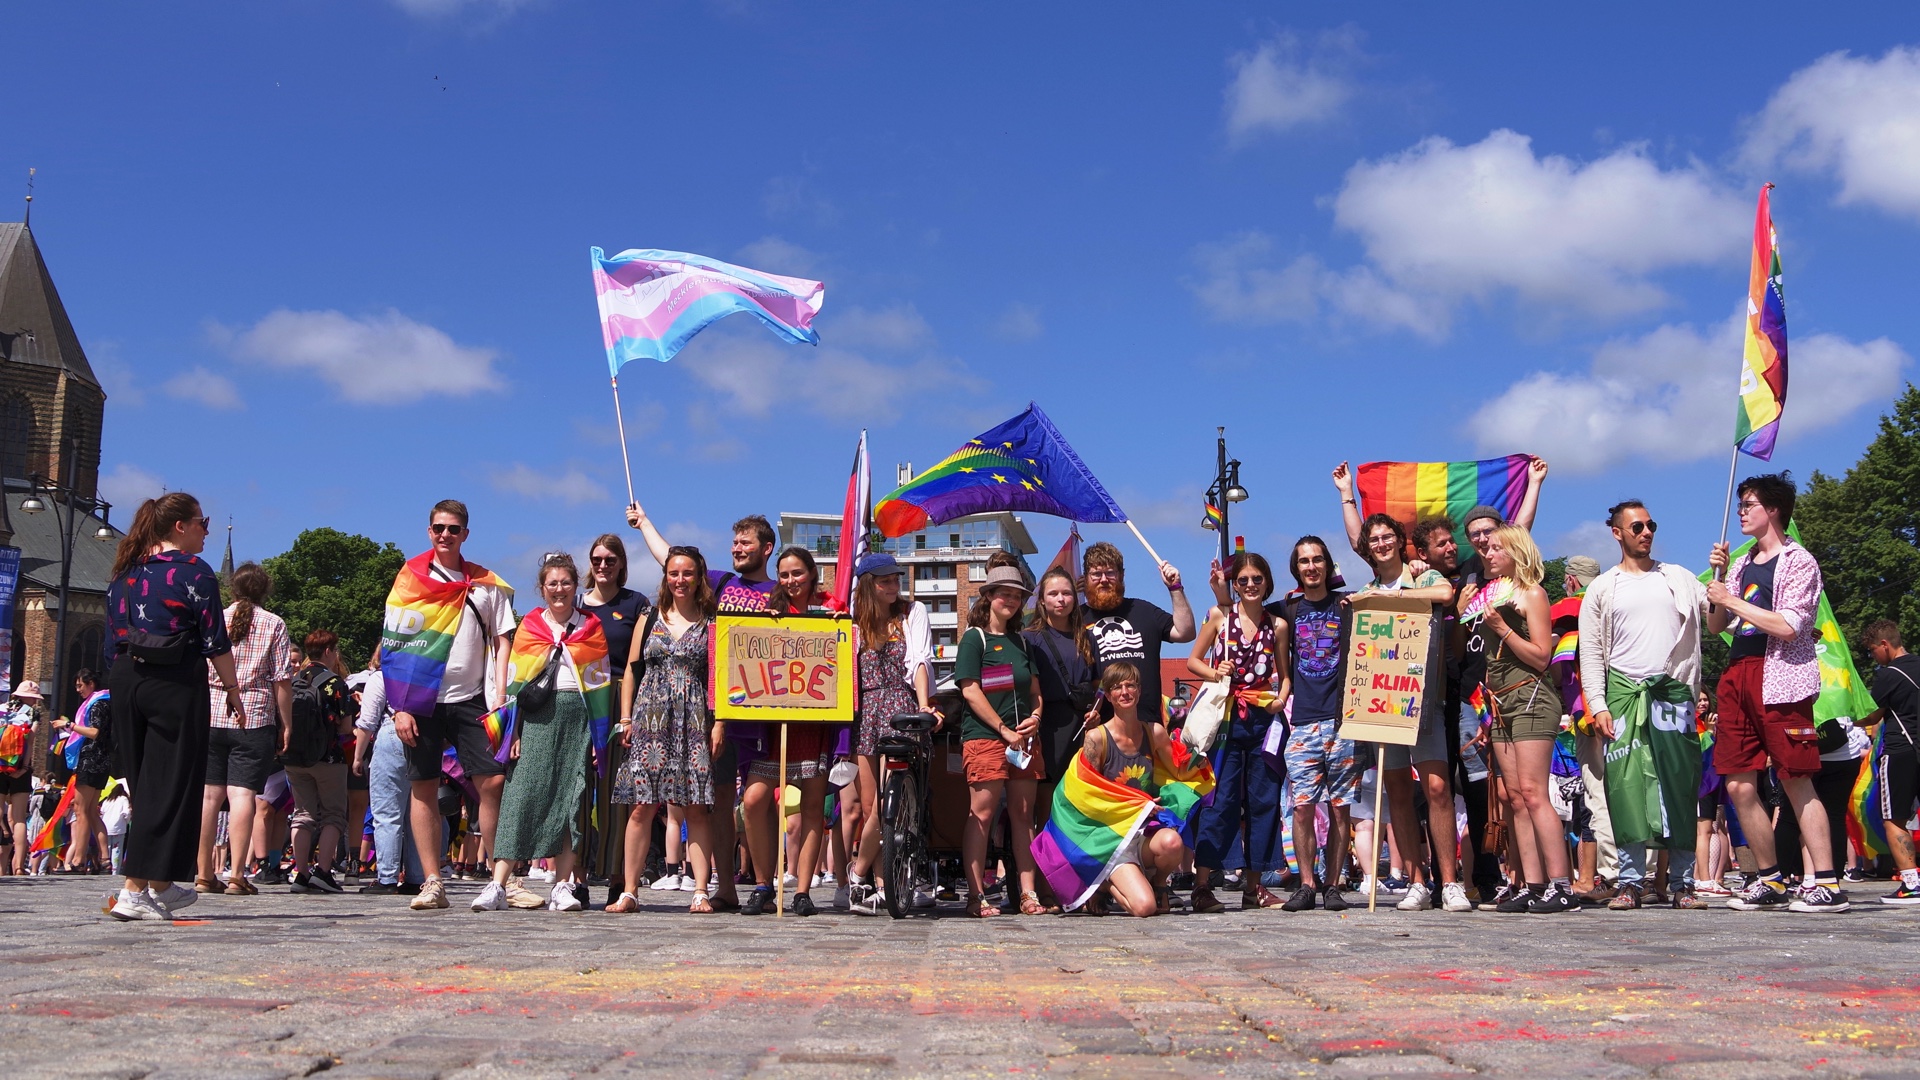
(1567, 754)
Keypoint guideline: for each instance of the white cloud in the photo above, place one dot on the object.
(755, 373)
(773, 255)
(1282, 85)
(1241, 282)
(1669, 396)
(570, 486)
(441, 9)
(127, 486)
(797, 198)
(893, 329)
(1460, 222)
(1853, 117)
(385, 359)
(1590, 538)
(1020, 322)
(208, 388)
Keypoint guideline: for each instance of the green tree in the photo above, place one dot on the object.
(1555, 579)
(1864, 528)
(338, 581)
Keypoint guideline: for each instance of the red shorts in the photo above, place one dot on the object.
(987, 761)
(1752, 734)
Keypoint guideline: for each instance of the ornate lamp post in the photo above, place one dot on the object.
(1226, 491)
(66, 503)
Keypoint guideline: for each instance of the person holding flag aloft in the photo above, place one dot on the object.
(1640, 671)
(1766, 695)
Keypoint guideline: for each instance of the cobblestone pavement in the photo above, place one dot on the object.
(280, 985)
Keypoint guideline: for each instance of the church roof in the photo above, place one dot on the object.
(34, 328)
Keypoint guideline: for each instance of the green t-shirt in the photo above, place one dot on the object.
(1004, 671)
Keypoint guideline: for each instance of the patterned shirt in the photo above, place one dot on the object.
(262, 658)
(166, 593)
(1792, 671)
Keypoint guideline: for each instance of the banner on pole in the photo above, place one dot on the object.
(9, 582)
(1391, 669)
(783, 667)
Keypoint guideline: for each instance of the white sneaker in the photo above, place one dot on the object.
(842, 896)
(667, 882)
(1418, 898)
(1453, 897)
(563, 898)
(173, 897)
(865, 899)
(922, 897)
(132, 906)
(790, 882)
(537, 874)
(491, 898)
(687, 884)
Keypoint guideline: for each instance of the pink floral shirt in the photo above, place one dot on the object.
(1792, 671)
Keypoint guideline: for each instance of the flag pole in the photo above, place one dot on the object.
(1143, 542)
(1733, 466)
(622, 422)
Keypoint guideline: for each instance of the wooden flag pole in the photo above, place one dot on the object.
(1379, 830)
(1157, 560)
(780, 832)
(1726, 511)
(622, 422)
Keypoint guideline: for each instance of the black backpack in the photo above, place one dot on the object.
(313, 730)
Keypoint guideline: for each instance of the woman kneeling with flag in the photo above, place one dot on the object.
(555, 715)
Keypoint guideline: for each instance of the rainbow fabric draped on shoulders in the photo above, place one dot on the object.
(423, 615)
(586, 644)
(1096, 819)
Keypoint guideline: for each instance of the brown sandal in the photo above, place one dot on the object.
(1030, 904)
(700, 905)
(208, 885)
(979, 909)
(238, 885)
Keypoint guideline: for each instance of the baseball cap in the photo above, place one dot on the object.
(1583, 568)
(879, 564)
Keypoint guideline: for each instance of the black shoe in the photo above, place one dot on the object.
(322, 881)
(803, 904)
(1181, 881)
(380, 888)
(1759, 896)
(1334, 901)
(1518, 904)
(1301, 900)
(759, 902)
(585, 897)
(408, 888)
(1554, 902)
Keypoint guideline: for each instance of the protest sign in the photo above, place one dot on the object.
(783, 667)
(1387, 669)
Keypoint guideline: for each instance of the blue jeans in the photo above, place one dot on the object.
(1246, 787)
(388, 796)
(1633, 866)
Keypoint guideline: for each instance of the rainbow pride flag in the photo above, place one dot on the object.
(1865, 825)
(1763, 362)
(1095, 819)
(423, 615)
(586, 644)
(1410, 490)
(653, 302)
(57, 833)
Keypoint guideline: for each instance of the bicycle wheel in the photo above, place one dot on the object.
(900, 841)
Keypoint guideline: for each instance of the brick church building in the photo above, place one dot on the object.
(51, 408)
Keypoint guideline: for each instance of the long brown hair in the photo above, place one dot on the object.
(782, 603)
(619, 548)
(152, 524)
(1076, 628)
(250, 585)
(702, 588)
(980, 614)
(877, 622)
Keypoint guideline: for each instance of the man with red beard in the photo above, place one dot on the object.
(1120, 627)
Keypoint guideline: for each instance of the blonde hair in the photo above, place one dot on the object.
(1517, 542)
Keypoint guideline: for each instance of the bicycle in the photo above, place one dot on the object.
(904, 850)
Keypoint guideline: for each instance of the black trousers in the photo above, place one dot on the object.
(160, 717)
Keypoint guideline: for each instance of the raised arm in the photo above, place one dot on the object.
(657, 544)
(1349, 508)
(1182, 629)
(1530, 502)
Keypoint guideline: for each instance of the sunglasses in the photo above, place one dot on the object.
(605, 560)
(1648, 527)
(446, 530)
(205, 523)
(1250, 579)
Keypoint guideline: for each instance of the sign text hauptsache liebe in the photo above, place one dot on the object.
(1390, 663)
(784, 667)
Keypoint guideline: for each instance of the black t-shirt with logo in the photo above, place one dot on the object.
(1896, 688)
(1466, 666)
(1132, 632)
(619, 620)
(1316, 654)
(1756, 588)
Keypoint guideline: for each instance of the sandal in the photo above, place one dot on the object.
(714, 903)
(208, 885)
(1030, 904)
(978, 908)
(700, 905)
(1162, 899)
(626, 905)
(240, 886)
(1205, 903)
(1100, 903)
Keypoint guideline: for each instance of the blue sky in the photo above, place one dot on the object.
(336, 253)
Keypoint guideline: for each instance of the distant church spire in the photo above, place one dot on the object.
(226, 564)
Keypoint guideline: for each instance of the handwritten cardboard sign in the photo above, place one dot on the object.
(1388, 674)
(787, 667)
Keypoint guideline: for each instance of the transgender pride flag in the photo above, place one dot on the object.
(653, 302)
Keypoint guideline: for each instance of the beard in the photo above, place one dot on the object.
(1103, 596)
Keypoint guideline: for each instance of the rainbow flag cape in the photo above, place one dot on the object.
(587, 645)
(653, 302)
(1763, 362)
(1865, 825)
(1410, 490)
(57, 833)
(1842, 693)
(423, 614)
(1023, 464)
(1095, 819)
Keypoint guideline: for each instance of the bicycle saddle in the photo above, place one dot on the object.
(915, 723)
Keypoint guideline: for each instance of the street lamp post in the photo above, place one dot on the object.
(66, 503)
(1221, 496)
